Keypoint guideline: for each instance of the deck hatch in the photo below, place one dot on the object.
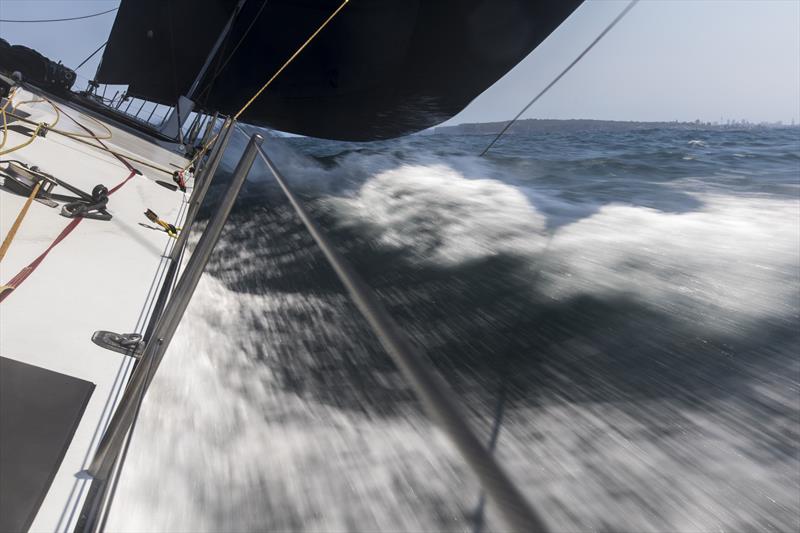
(39, 413)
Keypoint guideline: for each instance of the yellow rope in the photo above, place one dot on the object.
(26, 143)
(50, 127)
(58, 113)
(24, 211)
(107, 136)
(5, 128)
(168, 228)
(269, 81)
(102, 148)
(11, 94)
(14, 227)
(80, 137)
(39, 127)
(32, 101)
(199, 155)
(286, 64)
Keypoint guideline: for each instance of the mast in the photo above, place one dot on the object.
(214, 49)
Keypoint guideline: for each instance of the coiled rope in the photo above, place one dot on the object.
(31, 101)
(35, 134)
(39, 126)
(81, 138)
(23, 274)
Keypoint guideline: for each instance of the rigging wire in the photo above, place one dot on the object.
(220, 52)
(277, 73)
(219, 69)
(91, 56)
(288, 61)
(563, 72)
(61, 20)
(174, 70)
(504, 374)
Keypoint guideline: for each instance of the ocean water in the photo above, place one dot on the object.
(619, 313)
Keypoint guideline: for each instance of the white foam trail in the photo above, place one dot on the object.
(444, 218)
(221, 446)
(734, 258)
(735, 254)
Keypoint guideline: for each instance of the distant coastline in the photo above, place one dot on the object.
(535, 125)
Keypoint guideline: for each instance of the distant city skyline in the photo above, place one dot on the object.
(537, 126)
(667, 60)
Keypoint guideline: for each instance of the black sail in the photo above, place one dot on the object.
(380, 69)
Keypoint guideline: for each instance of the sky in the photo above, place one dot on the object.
(666, 60)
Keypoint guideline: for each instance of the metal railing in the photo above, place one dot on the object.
(201, 184)
(436, 396)
(167, 322)
(115, 106)
(166, 316)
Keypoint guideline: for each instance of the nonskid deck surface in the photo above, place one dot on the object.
(102, 276)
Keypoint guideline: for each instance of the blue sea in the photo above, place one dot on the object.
(619, 313)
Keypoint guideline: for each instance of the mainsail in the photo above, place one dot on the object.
(381, 69)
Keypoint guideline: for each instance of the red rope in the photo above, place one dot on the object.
(23, 274)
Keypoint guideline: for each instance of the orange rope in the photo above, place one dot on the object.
(15, 226)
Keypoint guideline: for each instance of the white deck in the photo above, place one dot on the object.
(103, 275)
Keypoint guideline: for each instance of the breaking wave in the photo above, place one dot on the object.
(623, 318)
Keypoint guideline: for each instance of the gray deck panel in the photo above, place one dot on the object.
(39, 413)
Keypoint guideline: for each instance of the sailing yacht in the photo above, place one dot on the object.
(96, 204)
